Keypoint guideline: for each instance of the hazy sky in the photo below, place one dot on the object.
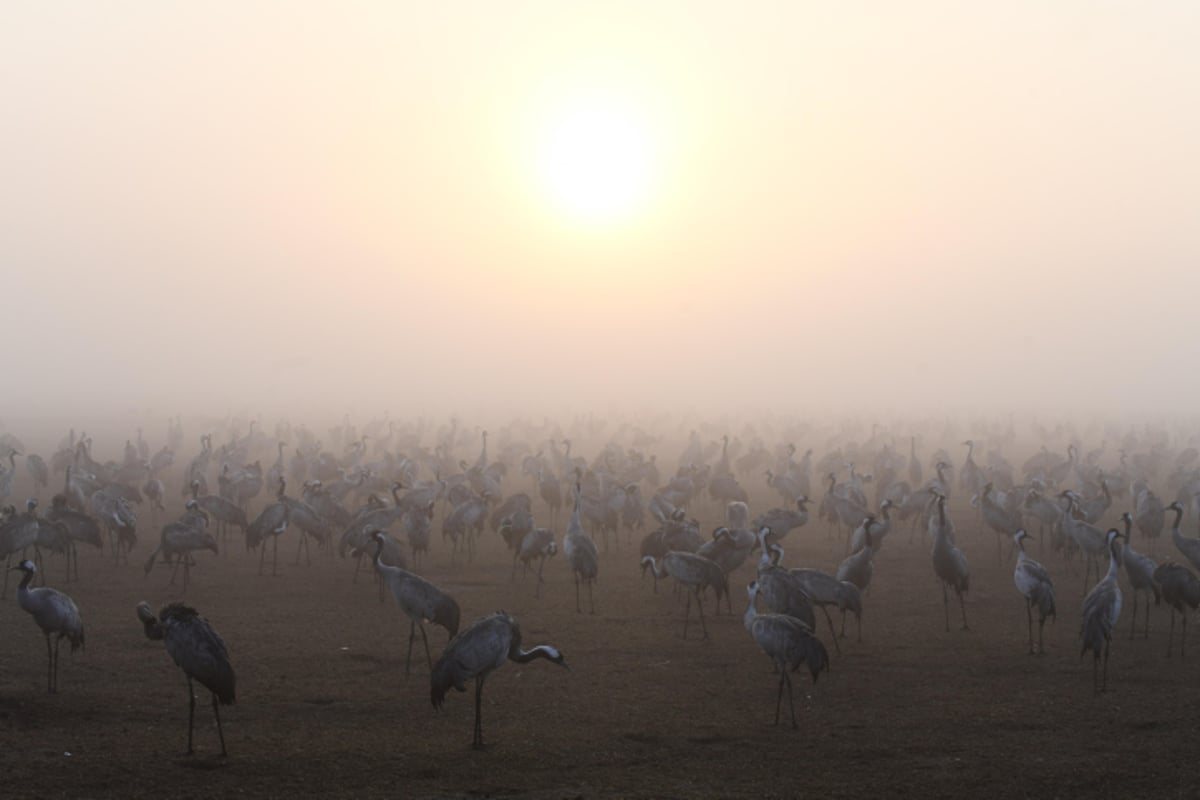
(337, 206)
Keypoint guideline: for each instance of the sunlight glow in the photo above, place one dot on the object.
(596, 160)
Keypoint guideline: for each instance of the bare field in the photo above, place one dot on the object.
(324, 706)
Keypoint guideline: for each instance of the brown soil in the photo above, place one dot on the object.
(324, 706)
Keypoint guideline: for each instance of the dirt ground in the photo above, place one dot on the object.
(324, 707)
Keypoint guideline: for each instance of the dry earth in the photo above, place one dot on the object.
(324, 706)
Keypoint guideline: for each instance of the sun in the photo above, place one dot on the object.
(596, 160)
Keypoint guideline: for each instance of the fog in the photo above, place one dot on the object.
(296, 209)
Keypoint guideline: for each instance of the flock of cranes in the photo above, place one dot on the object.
(380, 504)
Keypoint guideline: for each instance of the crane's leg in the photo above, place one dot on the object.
(537, 592)
(686, 613)
(1096, 673)
(412, 634)
(578, 610)
(946, 606)
(187, 572)
(220, 733)
(299, 547)
(191, 714)
(307, 550)
(425, 639)
(1146, 621)
(791, 699)
(174, 570)
(1133, 616)
(1107, 646)
(591, 597)
(357, 567)
(1171, 633)
(262, 555)
(858, 620)
(1183, 641)
(49, 667)
(832, 632)
(1029, 616)
(513, 577)
(700, 607)
(962, 607)
(275, 557)
(477, 741)
(779, 696)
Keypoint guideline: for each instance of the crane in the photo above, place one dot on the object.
(1140, 570)
(1034, 583)
(695, 573)
(476, 652)
(199, 651)
(580, 551)
(1181, 590)
(419, 599)
(55, 613)
(1101, 610)
(789, 643)
(949, 563)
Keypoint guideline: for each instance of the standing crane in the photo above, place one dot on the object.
(1181, 590)
(1034, 583)
(419, 599)
(581, 553)
(1185, 544)
(1101, 610)
(476, 652)
(55, 613)
(695, 573)
(178, 540)
(949, 563)
(1140, 570)
(199, 651)
(789, 643)
(272, 521)
(857, 568)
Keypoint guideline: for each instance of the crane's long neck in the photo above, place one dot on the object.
(541, 651)
(655, 567)
(1112, 563)
(23, 586)
(1178, 518)
(751, 608)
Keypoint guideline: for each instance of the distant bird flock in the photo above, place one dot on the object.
(373, 495)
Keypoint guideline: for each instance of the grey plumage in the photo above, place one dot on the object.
(198, 650)
(1140, 570)
(419, 599)
(789, 643)
(1181, 590)
(177, 541)
(949, 563)
(827, 590)
(1101, 610)
(779, 590)
(858, 567)
(537, 544)
(695, 573)
(1033, 582)
(56, 615)
(272, 521)
(1185, 544)
(581, 554)
(475, 653)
